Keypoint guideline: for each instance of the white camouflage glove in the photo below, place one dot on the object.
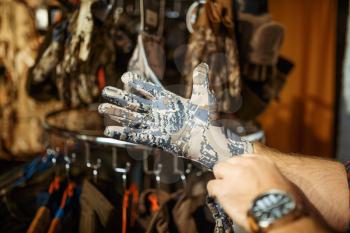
(160, 118)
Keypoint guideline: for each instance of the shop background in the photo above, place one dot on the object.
(303, 119)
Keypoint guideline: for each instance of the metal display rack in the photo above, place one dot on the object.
(85, 135)
(89, 137)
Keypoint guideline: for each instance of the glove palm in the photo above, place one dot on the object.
(163, 119)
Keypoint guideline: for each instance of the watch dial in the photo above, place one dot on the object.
(272, 206)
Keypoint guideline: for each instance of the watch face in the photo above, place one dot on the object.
(272, 206)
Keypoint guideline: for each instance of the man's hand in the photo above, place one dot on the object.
(240, 179)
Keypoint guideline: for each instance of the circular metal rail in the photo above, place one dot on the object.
(92, 137)
(85, 135)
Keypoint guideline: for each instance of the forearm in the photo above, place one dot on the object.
(303, 225)
(324, 183)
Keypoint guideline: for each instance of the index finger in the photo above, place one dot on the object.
(223, 170)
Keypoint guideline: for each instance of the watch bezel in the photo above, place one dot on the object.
(264, 224)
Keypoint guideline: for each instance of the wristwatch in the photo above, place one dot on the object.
(272, 209)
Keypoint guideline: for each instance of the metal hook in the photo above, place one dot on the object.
(87, 154)
(95, 169)
(53, 154)
(120, 170)
(192, 14)
(179, 171)
(155, 172)
(189, 168)
(57, 151)
(68, 163)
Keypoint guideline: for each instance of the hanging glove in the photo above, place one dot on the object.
(261, 39)
(214, 42)
(160, 118)
(51, 56)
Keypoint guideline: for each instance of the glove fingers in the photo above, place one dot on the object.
(116, 120)
(120, 133)
(115, 111)
(145, 88)
(132, 135)
(127, 100)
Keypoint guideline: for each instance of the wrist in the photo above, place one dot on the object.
(216, 145)
(276, 208)
(227, 143)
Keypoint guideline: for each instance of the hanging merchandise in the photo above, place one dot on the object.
(42, 219)
(57, 193)
(18, 38)
(46, 15)
(213, 41)
(184, 210)
(255, 7)
(150, 203)
(41, 83)
(20, 117)
(76, 73)
(78, 57)
(148, 58)
(7, 117)
(97, 214)
(18, 201)
(264, 72)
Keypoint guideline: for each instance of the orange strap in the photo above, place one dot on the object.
(67, 193)
(55, 226)
(135, 202)
(55, 185)
(125, 209)
(58, 17)
(154, 202)
(101, 77)
(41, 221)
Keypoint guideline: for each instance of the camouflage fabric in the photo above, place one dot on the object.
(52, 55)
(223, 223)
(75, 85)
(184, 127)
(80, 54)
(18, 38)
(213, 42)
(21, 118)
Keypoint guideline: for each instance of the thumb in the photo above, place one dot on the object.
(201, 93)
(200, 90)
